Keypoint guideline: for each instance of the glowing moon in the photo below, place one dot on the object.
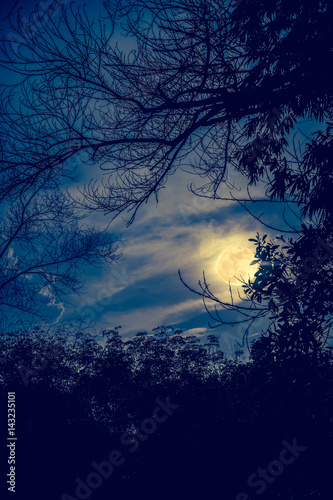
(234, 262)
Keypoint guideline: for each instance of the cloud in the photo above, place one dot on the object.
(197, 332)
(10, 256)
(147, 318)
(46, 292)
(181, 232)
(144, 290)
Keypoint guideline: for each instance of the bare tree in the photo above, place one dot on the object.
(45, 242)
(44, 246)
(206, 85)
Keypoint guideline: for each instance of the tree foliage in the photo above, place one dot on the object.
(231, 419)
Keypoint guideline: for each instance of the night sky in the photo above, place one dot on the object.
(143, 290)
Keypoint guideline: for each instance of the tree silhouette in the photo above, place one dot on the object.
(45, 241)
(44, 246)
(203, 84)
(230, 421)
(292, 290)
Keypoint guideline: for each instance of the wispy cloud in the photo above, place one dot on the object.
(197, 332)
(162, 240)
(147, 318)
(46, 292)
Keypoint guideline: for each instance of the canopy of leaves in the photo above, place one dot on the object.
(77, 394)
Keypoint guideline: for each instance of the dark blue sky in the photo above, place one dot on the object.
(184, 232)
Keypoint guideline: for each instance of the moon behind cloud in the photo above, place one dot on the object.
(234, 262)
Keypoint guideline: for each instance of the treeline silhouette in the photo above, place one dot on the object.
(77, 395)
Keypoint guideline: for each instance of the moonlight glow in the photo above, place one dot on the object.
(234, 262)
